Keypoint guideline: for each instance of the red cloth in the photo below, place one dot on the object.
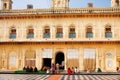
(69, 71)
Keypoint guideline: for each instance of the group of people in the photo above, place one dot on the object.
(55, 68)
(30, 69)
(72, 70)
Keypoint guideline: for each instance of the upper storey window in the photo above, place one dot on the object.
(108, 33)
(12, 33)
(30, 33)
(89, 33)
(46, 32)
(59, 33)
(72, 33)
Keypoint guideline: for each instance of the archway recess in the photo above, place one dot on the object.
(59, 58)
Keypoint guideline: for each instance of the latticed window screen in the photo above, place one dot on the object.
(13, 31)
(72, 30)
(47, 31)
(59, 30)
(108, 29)
(30, 31)
(89, 30)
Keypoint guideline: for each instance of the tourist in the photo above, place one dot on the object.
(62, 65)
(53, 68)
(117, 69)
(88, 71)
(72, 70)
(35, 69)
(48, 70)
(24, 69)
(69, 71)
(31, 69)
(27, 69)
(76, 70)
(57, 68)
(99, 70)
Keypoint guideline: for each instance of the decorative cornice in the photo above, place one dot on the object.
(67, 15)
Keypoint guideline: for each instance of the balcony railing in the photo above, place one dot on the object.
(72, 35)
(12, 36)
(30, 35)
(59, 35)
(57, 11)
(89, 35)
(108, 35)
(46, 35)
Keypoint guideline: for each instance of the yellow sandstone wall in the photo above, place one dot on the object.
(19, 50)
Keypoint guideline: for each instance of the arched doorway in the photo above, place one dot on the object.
(60, 59)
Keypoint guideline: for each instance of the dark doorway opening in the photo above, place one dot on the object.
(46, 62)
(60, 59)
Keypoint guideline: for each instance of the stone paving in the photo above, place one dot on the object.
(63, 77)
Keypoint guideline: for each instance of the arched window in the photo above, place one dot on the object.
(108, 33)
(46, 32)
(72, 33)
(59, 32)
(89, 33)
(12, 33)
(30, 33)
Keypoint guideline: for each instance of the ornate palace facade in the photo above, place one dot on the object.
(73, 37)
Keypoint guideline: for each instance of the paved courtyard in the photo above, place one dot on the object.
(62, 77)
